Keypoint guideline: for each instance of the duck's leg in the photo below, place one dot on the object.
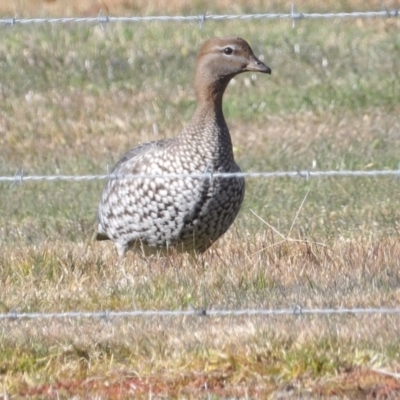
(121, 250)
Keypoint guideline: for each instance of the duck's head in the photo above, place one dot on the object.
(219, 60)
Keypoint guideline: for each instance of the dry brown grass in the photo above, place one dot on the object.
(200, 356)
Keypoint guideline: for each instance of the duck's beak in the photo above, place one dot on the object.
(257, 66)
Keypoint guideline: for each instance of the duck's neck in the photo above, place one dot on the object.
(209, 110)
(208, 119)
(207, 131)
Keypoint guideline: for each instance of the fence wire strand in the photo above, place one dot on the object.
(19, 176)
(296, 311)
(102, 19)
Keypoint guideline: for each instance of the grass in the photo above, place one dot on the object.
(179, 356)
(75, 97)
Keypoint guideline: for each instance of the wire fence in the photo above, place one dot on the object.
(19, 177)
(202, 18)
(295, 311)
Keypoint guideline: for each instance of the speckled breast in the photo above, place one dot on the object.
(219, 202)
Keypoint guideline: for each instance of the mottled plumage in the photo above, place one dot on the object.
(188, 214)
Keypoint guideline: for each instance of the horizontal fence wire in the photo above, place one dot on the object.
(296, 311)
(19, 176)
(102, 19)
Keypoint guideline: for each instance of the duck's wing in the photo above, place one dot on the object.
(133, 156)
(129, 163)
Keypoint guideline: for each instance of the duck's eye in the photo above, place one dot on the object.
(228, 50)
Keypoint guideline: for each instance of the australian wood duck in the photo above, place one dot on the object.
(189, 214)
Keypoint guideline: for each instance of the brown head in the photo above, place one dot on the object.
(218, 61)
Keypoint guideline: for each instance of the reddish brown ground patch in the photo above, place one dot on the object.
(125, 387)
(354, 384)
(360, 384)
